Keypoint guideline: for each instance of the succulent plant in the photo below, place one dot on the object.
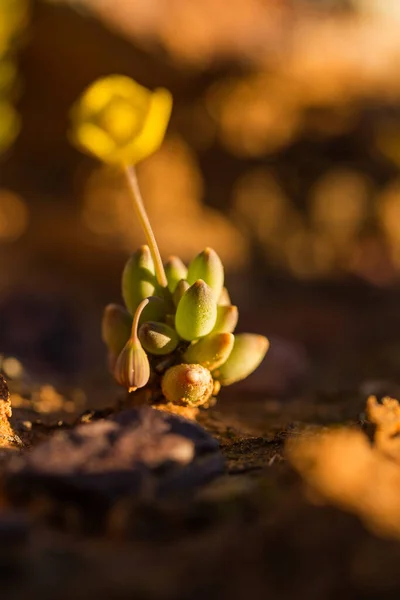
(175, 335)
(190, 351)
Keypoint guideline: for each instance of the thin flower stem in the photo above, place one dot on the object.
(141, 213)
(135, 323)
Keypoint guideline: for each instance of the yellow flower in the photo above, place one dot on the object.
(119, 121)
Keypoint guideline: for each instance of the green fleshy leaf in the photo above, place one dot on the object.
(197, 312)
(227, 318)
(180, 289)
(116, 327)
(158, 338)
(138, 279)
(210, 351)
(207, 266)
(224, 298)
(156, 310)
(248, 351)
(175, 270)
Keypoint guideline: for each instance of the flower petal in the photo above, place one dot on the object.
(152, 134)
(94, 141)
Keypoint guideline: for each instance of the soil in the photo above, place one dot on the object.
(253, 531)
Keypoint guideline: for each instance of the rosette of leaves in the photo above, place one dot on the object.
(178, 340)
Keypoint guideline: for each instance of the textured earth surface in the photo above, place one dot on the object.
(235, 528)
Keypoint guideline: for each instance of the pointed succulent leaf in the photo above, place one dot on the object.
(175, 270)
(248, 351)
(210, 351)
(132, 369)
(197, 312)
(207, 266)
(158, 338)
(116, 327)
(138, 278)
(187, 384)
(180, 289)
(227, 318)
(224, 298)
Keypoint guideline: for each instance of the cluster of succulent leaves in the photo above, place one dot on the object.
(178, 340)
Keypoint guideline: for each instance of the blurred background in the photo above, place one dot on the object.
(283, 154)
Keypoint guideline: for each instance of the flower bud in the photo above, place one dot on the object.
(187, 384)
(116, 327)
(224, 298)
(175, 270)
(227, 318)
(138, 278)
(248, 351)
(132, 369)
(180, 289)
(210, 351)
(158, 338)
(197, 312)
(207, 266)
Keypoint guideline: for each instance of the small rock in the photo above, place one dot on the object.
(140, 451)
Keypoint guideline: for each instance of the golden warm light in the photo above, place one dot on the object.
(341, 467)
(173, 188)
(14, 216)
